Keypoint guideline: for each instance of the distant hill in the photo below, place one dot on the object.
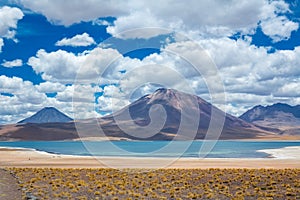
(47, 115)
(281, 116)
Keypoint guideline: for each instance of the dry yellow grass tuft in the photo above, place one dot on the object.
(53, 183)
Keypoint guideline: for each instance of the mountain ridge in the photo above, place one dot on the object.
(132, 121)
(260, 112)
(283, 117)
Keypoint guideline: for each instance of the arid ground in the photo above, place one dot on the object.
(30, 173)
(57, 183)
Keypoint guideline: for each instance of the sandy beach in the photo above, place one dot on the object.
(18, 157)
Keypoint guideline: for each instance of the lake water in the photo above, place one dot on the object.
(209, 149)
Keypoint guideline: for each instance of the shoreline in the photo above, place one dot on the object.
(291, 152)
(22, 157)
(122, 139)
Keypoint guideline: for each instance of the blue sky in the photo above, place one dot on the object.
(99, 55)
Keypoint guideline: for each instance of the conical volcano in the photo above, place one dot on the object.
(177, 113)
(47, 115)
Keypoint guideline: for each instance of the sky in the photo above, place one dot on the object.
(90, 58)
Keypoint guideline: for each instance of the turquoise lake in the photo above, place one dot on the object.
(221, 149)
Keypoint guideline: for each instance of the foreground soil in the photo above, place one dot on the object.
(9, 188)
(56, 183)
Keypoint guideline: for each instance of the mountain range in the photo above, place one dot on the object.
(283, 118)
(165, 114)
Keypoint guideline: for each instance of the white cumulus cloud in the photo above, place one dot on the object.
(211, 17)
(279, 28)
(24, 91)
(50, 87)
(208, 16)
(75, 11)
(274, 23)
(82, 40)
(135, 26)
(289, 89)
(13, 63)
(66, 67)
(9, 18)
(58, 65)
